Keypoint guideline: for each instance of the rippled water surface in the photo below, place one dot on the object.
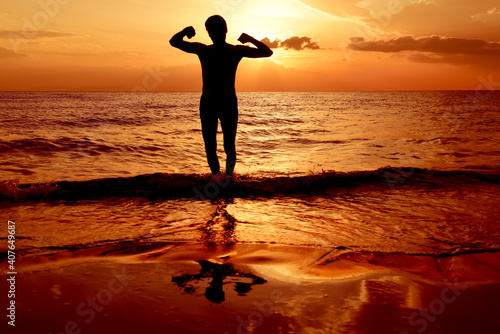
(81, 136)
(52, 137)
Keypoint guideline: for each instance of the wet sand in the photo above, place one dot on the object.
(253, 288)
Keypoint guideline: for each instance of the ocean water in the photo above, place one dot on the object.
(408, 172)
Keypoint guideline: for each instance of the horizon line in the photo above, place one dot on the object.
(249, 91)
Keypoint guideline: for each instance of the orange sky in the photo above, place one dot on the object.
(321, 45)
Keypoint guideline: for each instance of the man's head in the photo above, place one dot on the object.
(216, 28)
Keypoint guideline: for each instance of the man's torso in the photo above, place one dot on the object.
(219, 64)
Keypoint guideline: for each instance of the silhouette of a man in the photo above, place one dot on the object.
(219, 62)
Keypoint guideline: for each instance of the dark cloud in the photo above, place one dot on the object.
(297, 43)
(489, 61)
(273, 45)
(6, 53)
(434, 44)
(36, 34)
(435, 49)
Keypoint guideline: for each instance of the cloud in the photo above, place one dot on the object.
(273, 45)
(432, 44)
(6, 53)
(435, 49)
(37, 34)
(297, 43)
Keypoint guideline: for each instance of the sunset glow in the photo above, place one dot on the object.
(319, 45)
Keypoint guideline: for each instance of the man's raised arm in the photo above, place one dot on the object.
(178, 41)
(261, 51)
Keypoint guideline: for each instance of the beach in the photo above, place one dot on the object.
(250, 167)
(362, 212)
(255, 289)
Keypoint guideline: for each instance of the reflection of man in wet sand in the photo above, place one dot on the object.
(218, 272)
(219, 62)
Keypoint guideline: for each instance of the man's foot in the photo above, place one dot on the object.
(222, 179)
(214, 177)
(231, 177)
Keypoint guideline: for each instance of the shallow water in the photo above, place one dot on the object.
(412, 219)
(282, 138)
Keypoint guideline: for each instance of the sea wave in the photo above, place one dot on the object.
(42, 146)
(45, 147)
(198, 186)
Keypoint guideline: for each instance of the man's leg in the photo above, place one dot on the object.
(229, 124)
(209, 123)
